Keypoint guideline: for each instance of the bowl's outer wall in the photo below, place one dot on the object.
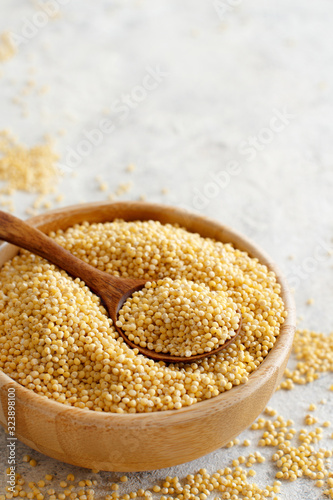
(154, 440)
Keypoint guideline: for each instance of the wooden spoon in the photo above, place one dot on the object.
(113, 291)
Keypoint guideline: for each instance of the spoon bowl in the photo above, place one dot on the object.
(169, 358)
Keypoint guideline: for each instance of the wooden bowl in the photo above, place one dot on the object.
(138, 442)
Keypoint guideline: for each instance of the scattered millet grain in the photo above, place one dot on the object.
(314, 354)
(44, 89)
(7, 48)
(232, 443)
(31, 211)
(16, 100)
(270, 411)
(229, 483)
(33, 170)
(123, 188)
(130, 168)
(103, 186)
(8, 204)
(293, 461)
(59, 198)
(179, 317)
(310, 420)
(36, 298)
(38, 201)
(47, 204)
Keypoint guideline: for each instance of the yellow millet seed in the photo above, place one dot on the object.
(56, 337)
(311, 362)
(33, 170)
(179, 317)
(103, 186)
(7, 47)
(310, 420)
(123, 188)
(59, 198)
(270, 411)
(130, 168)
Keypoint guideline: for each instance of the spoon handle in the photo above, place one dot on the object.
(21, 234)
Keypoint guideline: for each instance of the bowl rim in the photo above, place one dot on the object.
(271, 363)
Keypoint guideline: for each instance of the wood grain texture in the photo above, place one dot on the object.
(147, 441)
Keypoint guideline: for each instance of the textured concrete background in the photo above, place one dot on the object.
(228, 106)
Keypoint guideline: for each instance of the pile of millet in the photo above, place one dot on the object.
(179, 317)
(27, 169)
(57, 339)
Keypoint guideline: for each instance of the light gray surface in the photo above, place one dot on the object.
(226, 76)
